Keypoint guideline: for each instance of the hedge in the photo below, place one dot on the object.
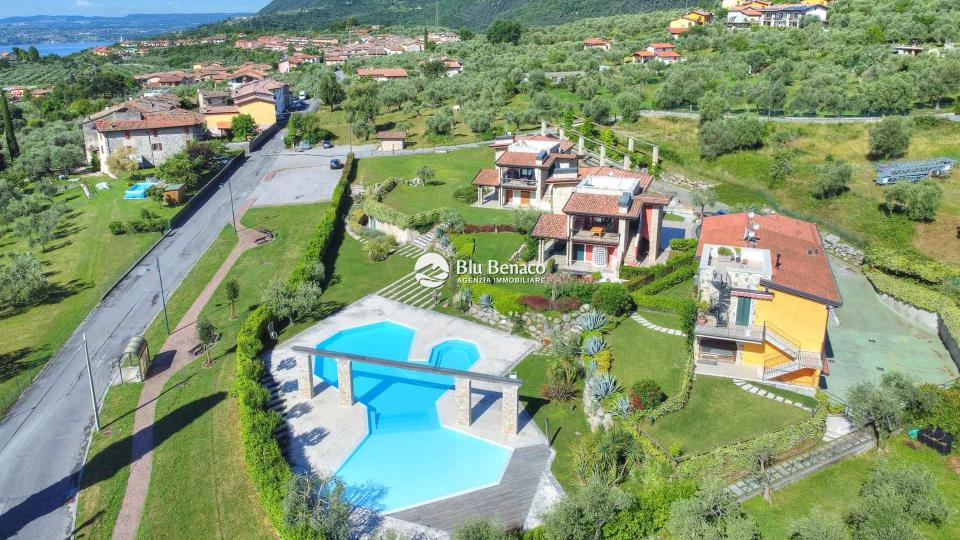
(723, 461)
(674, 304)
(907, 264)
(918, 296)
(682, 274)
(421, 221)
(266, 465)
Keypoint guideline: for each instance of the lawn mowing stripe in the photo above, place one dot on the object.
(381, 291)
(405, 287)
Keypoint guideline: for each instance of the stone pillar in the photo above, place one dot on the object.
(307, 389)
(630, 143)
(345, 382)
(580, 145)
(511, 409)
(656, 155)
(543, 127)
(603, 155)
(540, 252)
(563, 134)
(626, 161)
(462, 389)
(479, 196)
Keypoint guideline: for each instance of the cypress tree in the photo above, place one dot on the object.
(12, 145)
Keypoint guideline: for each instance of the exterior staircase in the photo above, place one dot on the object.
(407, 290)
(800, 359)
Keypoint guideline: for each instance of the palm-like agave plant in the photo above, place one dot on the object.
(621, 407)
(602, 386)
(441, 231)
(443, 241)
(591, 367)
(485, 301)
(593, 320)
(593, 345)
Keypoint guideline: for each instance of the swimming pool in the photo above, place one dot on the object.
(137, 191)
(408, 458)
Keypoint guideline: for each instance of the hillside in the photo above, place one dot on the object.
(67, 28)
(452, 13)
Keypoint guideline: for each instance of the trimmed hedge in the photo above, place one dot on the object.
(421, 221)
(663, 303)
(907, 264)
(657, 286)
(266, 465)
(918, 296)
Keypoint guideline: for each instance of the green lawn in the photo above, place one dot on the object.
(792, 396)
(665, 319)
(499, 247)
(566, 421)
(453, 169)
(836, 490)
(108, 464)
(82, 262)
(639, 353)
(719, 413)
(743, 178)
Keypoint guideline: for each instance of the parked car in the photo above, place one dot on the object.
(303, 95)
(326, 144)
(336, 164)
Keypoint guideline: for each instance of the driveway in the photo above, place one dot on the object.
(868, 338)
(44, 437)
(300, 177)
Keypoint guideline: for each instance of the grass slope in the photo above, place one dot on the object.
(81, 264)
(719, 413)
(639, 353)
(836, 489)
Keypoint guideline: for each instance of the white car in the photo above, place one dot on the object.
(303, 95)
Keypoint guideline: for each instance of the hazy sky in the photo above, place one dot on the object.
(123, 7)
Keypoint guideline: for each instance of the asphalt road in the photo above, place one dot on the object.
(44, 437)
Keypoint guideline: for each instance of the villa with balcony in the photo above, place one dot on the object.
(769, 288)
(608, 220)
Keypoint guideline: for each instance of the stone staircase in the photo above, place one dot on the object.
(408, 290)
(793, 470)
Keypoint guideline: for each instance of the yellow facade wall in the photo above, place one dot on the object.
(213, 119)
(805, 321)
(681, 23)
(264, 114)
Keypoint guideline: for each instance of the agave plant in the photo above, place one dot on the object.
(621, 407)
(593, 345)
(443, 241)
(592, 320)
(602, 386)
(591, 367)
(485, 301)
(441, 231)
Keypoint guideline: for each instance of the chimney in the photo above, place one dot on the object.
(623, 204)
(541, 156)
(778, 259)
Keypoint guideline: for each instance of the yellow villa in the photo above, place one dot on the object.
(768, 288)
(263, 100)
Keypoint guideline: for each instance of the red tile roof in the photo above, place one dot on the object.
(221, 109)
(151, 121)
(486, 177)
(518, 159)
(643, 54)
(662, 45)
(595, 41)
(677, 30)
(382, 72)
(593, 204)
(804, 267)
(668, 54)
(394, 134)
(551, 226)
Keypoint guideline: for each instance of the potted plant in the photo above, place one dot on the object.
(737, 250)
(702, 309)
(724, 253)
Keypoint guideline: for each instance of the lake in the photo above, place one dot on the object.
(60, 49)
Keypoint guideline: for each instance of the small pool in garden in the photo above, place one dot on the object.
(137, 191)
(408, 458)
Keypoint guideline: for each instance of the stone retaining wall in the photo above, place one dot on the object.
(539, 326)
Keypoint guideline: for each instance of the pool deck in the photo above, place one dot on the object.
(323, 433)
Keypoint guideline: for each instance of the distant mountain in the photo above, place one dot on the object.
(476, 14)
(73, 28)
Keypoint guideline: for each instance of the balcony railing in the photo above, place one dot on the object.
(733, 332)
(598, 234)
(525, 183)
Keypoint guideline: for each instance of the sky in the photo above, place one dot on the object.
(113, 8)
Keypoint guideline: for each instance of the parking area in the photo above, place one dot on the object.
(300, 177)
(868, 338)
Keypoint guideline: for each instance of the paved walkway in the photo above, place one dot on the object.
(174, 355)
(656, 328)
(788, 472)
(769, 395)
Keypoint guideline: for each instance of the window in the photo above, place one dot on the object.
(599, 256)
(156, 147)
(156, 133)
(126, 134)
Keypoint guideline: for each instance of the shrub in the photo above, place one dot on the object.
(379, 249)
(567, 303)
(719, 137)
(889, 138)
(465, 194)
(525, 219)
(646, 394)
(918, 202)
(832, 178)
(535, 302)
(480, 529)
(612, 299)
(683, 244)
(684, 274)
(604, 360)
(117, 227)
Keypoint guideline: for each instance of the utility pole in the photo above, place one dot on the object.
(166, 320)
(93, 394)
(233, 213)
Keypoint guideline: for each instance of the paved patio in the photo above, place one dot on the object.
(323, 433)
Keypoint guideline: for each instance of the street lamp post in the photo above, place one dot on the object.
(166, 320)
(233, 212)
(93, 394)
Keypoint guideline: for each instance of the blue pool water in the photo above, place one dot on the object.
(137, 191)
(408, 458)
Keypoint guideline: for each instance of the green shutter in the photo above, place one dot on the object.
(743, 311)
